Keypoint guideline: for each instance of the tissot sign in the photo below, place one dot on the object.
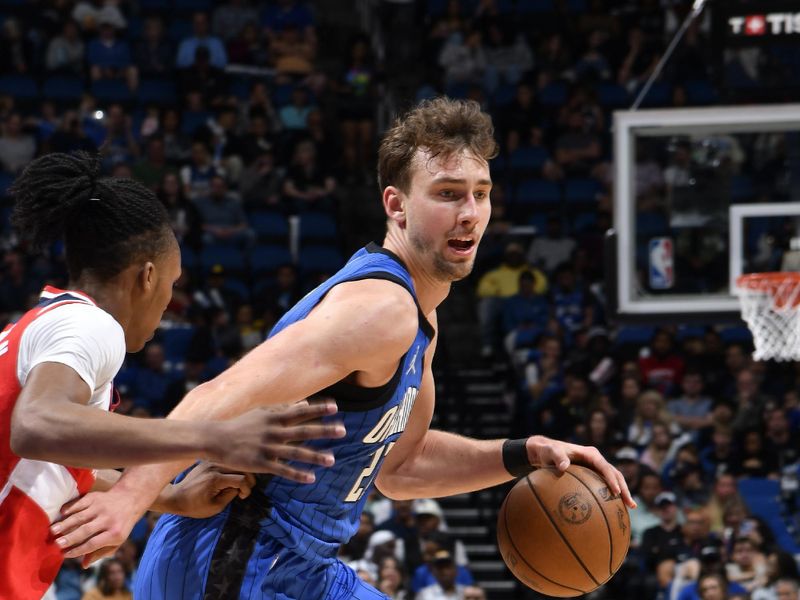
(741, 23)
(766, 24)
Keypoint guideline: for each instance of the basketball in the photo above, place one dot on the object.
(563, 535)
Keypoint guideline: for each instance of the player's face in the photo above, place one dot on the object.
(447, 211)
(152, 303)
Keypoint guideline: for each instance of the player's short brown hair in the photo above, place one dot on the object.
(439, 126)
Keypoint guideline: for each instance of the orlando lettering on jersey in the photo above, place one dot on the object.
(282, 541)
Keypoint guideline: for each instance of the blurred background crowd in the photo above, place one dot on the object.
(256, 123)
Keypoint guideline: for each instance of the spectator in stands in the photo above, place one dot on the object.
(525, 309)
(177, 145)
(444, 571)
(261, 182)
(153, 167)
(356, 547)
(204, 80)
(657, 451)
(247, 48)
(66, 52)
(508, 57)
(17, 147)
(724, 492)
(646, 514)
(392, 579)
(70, 136)
(307, 185)
(518, 120)
(463, 58)
(90, 13)
(277, 16)
(713, 586)
(183, 215)
(781, 444)
(224, 220)
(750, 401)
(258, 137)
(120, 145)
(433, 543)
(128, 555)
(663, 368)
(552, 249)
(110, 583)
(357, 94)
(227, 143)
(110, 57)
(201, 38)
(155, 55)
(782, 578)
(259, 103)
(293, 55)
(748, 566)
(294, 116)
(692, 410)
(639, 62)
(750, 460)
(578, 150)
(197, 175)
(718, 457)
(148, 382)
(192, 375)
(571, 303)
(593, 64)
(17, 284)
(561, 417)
(553, 60)
(231, 17)
(626, 459)
(18, 50)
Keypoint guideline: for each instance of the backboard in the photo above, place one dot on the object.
(701, 196)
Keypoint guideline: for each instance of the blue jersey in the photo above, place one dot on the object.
(282, 541)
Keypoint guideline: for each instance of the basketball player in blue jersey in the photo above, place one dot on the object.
(366, 337)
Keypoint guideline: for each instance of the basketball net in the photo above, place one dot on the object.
(771, 308)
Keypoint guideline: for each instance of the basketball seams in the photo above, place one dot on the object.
(608, 525)
(561, 535)
(522, 556)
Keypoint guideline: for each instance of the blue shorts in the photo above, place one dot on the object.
(180, 563)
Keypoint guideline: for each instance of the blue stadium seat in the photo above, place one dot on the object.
(111, 90)
(317, 226)
(457, 90)
(504, 95)
(650, 224)
(742, 188)
(584, 191)
(756, 487)
(634, 335)
(269, 225)
(539, 220)
(553, 95)
(425, 92)
(21, 87)
(700, 91)
(320, 259)
(612, 95)
(238, 287)
(528, 158)
(583, 221)
(6, 179)
(685, 332)
(176, 342)
(189, 258)
(731, 335)
(537, 191)
(282, 95)
(268, 257)
(190, 6)
(63, 88)
(179, 29)
(191, 121)
(660, 94)
(229, 258)
(158, 91)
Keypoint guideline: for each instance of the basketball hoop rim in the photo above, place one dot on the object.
(769, 282)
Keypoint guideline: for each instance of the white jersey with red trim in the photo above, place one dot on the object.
(65, 327)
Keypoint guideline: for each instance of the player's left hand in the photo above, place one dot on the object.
(205, 491)
(546, 452)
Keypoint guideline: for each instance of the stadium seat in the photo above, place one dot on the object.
(634, 335)
(190, 6)
(268, 257)
(659, 94)
(240, 87)
(282, 95)
(189, 259)
(612, 95)
(63, 88)
(238, 287)
(757, 487)
(6, 179)
(157, 91)
(700, 92)
(529, 158)
(731, 335)
(229, 258)
(457, 90)
(537, 191)
(269, 225)
(21, 87)
(504, 95)
(178, 30)
(742, 188)
(651, 224)
(320, 259)
(317, 226)
(426, 92)
(111, 90)
(191, 121)
(583, 221)
(176, 342)
(539, 220)
(686, 332)
(582, 191)
(554, 95)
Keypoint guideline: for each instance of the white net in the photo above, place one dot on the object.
(771, 308)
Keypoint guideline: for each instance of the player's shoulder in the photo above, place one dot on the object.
(386, 308)
(80, 317)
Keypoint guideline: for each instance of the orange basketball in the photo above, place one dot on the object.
(563, 535)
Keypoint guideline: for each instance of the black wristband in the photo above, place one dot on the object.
(515, 457)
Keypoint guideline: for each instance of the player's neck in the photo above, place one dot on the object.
(431, 291)
(109, 296)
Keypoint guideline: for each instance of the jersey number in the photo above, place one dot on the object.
(367, 475)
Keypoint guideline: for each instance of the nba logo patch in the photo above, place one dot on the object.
(662, 272)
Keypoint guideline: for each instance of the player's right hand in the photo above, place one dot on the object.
(263, 439)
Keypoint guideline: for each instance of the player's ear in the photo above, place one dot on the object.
(147, 277)
(394, 204)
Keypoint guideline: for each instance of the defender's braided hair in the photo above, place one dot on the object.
(107, 224)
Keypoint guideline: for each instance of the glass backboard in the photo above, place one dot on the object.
(702, 196)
